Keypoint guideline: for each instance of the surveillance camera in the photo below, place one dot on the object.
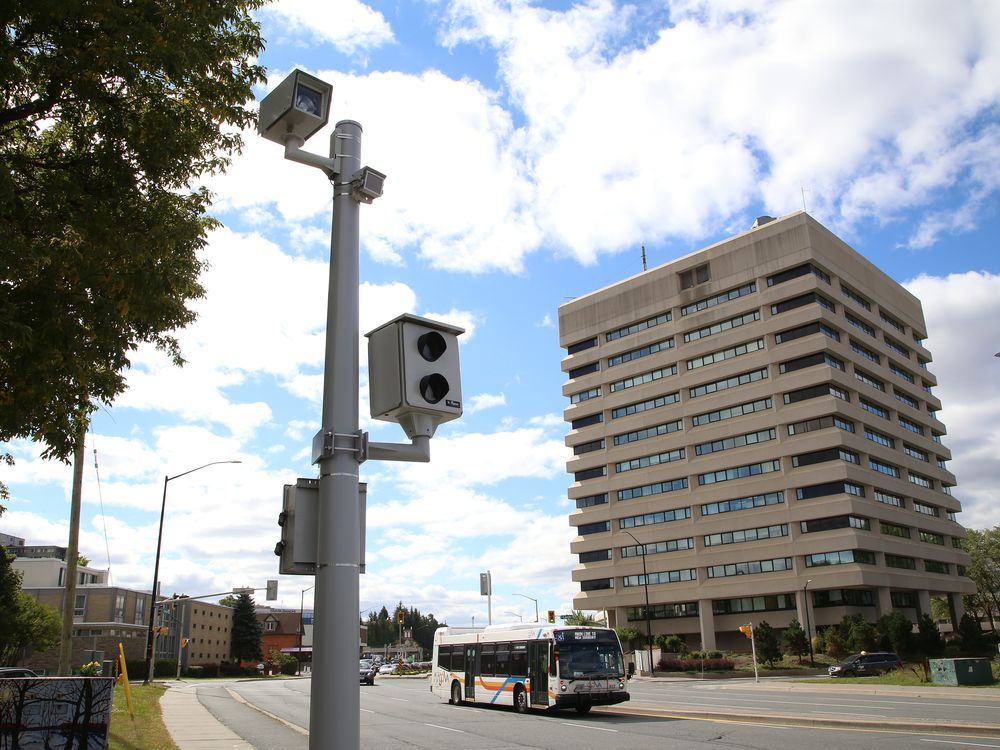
(367, 184)
(299, 106)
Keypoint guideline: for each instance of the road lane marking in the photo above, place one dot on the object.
(240, 699)
(401, 700)
(952, 742)
(587, 726)
(447, 729)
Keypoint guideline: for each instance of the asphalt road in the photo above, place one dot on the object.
(397, 713)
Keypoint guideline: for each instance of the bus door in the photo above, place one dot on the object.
(471, 657)
(538, 670)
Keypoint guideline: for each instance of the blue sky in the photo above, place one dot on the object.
(531, 151)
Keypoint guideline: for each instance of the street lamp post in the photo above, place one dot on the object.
(532, 599)
(645, 585)
(156, 566)
(805, 603)
(515, 614)
(302, 594)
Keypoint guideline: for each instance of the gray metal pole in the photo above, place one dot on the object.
(335, 702)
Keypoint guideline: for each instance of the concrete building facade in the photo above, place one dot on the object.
(755, 437)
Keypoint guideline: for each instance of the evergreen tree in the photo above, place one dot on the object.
(794, 639)
(247, 630)
(766, 641)
(929, 638)
(897, 630)
(973, 643)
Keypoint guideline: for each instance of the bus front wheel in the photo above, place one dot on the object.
(456, 693)
(520, 700)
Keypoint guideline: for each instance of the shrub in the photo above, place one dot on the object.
(289, 667)
(713, 655)
(672, 644)
(671, 664)
(197, 670)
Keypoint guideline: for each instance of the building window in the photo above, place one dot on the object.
(855, 297)
(802, 300)
(820, 423)
(737, 441)
(646, 377)
(596, 584)
(666, 576)
(908, 400)
(739, 472)
(651, 519)
(750, 568)
(841, 557)
(694, 276)
(722, 355)
(933, 566)
(796, 272)
(643, 351)
(816, 391)
(646, 461)
(656, 320)
(80, 606)
(726, 383)
(900, 372)
(859, 324)
(599, 555)
(746, 535)
(593, 528)
(641, 406)
(726, 325)
(582, 370)
(889, 498)
(875, 409)
(120, 606)
(587, 421)
(810, 360)
(920, 481)
(586, 395)
(883, 468)
(874, 382)
(900, 561)
(774, 603)
(894, 530)
(660, 429)
(834, 522)
(806, 330)
(865, 352)
(903, 599)
(844, 598)
(878, 437)
(656, 488)
(719, 299)
(140, 609)
(590, 501)
(916, 453)
(663, 611)
(593, 445)
(581, 345)
(824, 455)
(886, 318)
(733, 411)
(672, 545)
(743, 503)
(911, 426)
(931, 537)
(593, 473)
(926, 510)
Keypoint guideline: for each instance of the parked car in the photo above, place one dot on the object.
(6, 672)
(865, 664)
(387, 669)
(367, 671)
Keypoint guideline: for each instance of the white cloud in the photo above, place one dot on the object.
(483, 401)
(961, 311)
(347, 25)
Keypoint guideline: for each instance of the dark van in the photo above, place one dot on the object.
(866, 663)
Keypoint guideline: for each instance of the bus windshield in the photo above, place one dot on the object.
(589, 655)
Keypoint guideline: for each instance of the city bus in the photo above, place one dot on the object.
(528, 666)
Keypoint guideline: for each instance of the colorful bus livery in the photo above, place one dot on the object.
(529, 666)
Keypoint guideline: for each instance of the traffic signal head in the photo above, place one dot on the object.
(747, 630)
(413, 374)
(552, 615)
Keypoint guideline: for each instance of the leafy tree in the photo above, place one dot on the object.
(110, 111)
(859, 634)
(247, 630)
(766, 642)
(84, 561)
(228, 601)
(24, 623)
(794, 639)
(629, 636)
(579, 617)
(897, 630)
(671, 644)
(983, 546)
(971, 636)
(929, 638)
(836, 646)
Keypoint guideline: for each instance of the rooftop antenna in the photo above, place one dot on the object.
(643, 257)
(802, 188)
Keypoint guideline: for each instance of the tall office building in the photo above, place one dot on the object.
(755, 437)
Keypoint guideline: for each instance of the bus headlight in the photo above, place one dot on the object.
(563, 687)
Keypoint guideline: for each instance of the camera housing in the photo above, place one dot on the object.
(299, 106)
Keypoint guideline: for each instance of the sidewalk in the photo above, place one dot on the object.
(190, 724)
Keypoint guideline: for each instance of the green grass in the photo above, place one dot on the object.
(911, 675)
(147, 730)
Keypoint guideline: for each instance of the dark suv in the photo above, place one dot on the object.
(6, 672)
(866, 663)
(367, 671)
